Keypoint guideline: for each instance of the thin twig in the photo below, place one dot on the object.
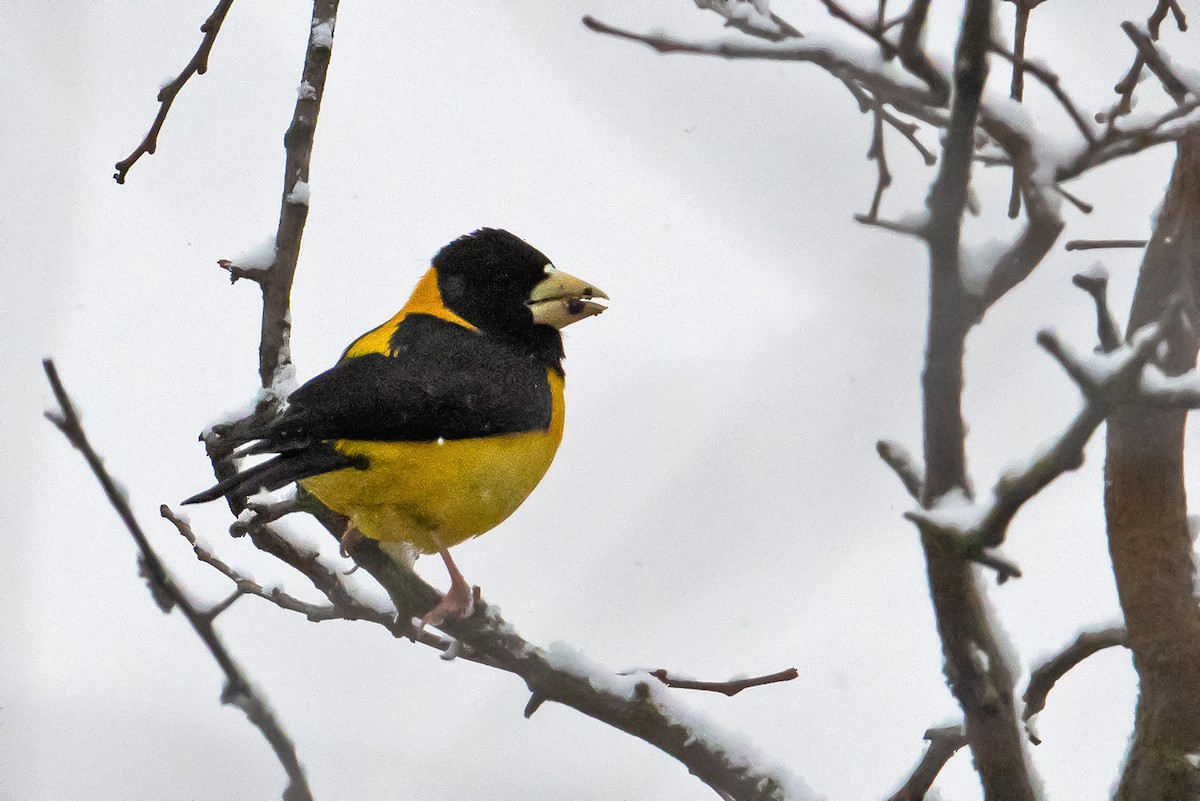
(1108, 332)
(904, 97)
(871, 29)
(246, 586)
(1017, 92)
(728, 688)
(944, 742)
(1154, 61)
(902, 464)
(747, 26)
(1051, 81)
(1098, 244)
(1086, 208)
(1043, 677)
(1160, 13)
(878, 153)
(238, 690)
(913, 56)
(166, 95)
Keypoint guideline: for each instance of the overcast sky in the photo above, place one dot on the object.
(716, 507)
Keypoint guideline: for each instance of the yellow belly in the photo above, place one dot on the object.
(454, 489)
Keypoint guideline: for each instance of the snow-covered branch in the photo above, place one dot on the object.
(1105, 380)
(944, 742)
(637, 703)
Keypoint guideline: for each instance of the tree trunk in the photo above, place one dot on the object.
(1146, 505)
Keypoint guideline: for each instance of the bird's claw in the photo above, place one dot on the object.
(458, 603)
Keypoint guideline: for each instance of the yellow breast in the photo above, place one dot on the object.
(454, 489)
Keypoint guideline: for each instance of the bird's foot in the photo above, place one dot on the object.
(350, 538)
(458, 603)
(346, 544)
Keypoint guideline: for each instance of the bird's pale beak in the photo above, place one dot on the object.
(561, 299)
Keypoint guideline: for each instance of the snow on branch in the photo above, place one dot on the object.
(198, 65)
(274, 355)
(639, 703)
(753, 17)
(1153, 60)
(918, 90)
(944, 742)
(238, 690)
(1105, 379)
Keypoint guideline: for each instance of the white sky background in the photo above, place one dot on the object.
(716, 508)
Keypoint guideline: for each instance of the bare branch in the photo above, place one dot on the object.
(983, 688)
(871, 29)
(902, 464)
(878, 153)
(246, 586)
(1017, 90)
(913, 56)
(1043, 221)
(1160, 14)
(746, 25)
(729, 688)
(905, 98)
(1086, 208)
(274, 357)
(636, 704)
(166, 95)
(1118, 143)
(1098, 244)
(1108, 332)
(1154, 61)
(944, 742)
(1051, 81)
(945, 461)
(238, 690)
(987, 525)
(1043, 677)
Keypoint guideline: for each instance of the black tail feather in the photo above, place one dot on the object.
(280, 471)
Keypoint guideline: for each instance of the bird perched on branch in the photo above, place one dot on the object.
(435, 426)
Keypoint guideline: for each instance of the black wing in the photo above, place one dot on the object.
(439, 380)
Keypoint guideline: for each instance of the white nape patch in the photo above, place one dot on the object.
(549, 269)
(441, 441)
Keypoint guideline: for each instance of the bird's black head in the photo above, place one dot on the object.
(504, 286)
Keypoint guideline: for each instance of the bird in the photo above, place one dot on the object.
(433, 427)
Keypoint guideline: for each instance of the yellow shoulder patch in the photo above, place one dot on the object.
(425, 299)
